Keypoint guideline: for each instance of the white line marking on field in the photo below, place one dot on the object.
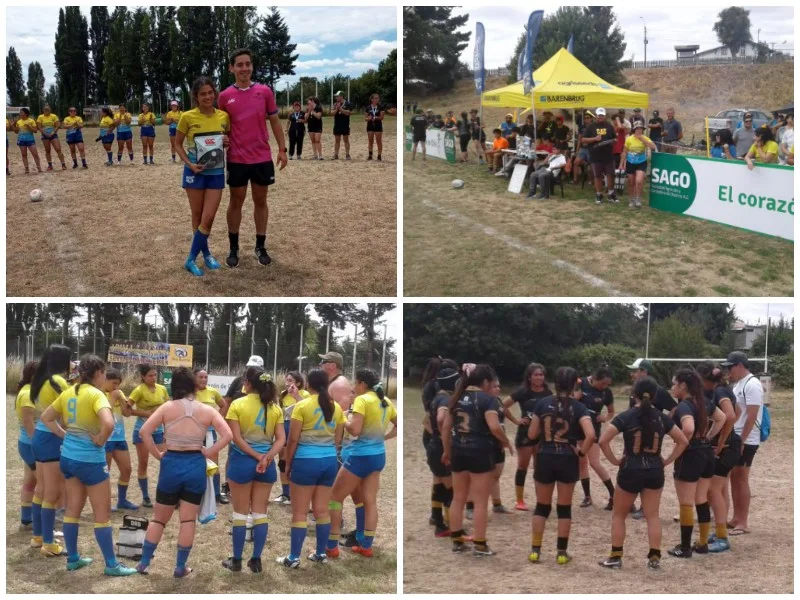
(563, 265)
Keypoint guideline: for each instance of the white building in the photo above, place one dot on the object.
(748, 50)
(746, 334)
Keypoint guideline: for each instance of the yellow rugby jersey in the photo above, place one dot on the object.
(124, 121)
(146, 119)
(288, 400)
(209, 396)
(48, 123)
(24, 401)
(768, 148)
(375, 424)
(106, 123)
(258, 428)
(48, 395)
(318, 437)
(26, 128)
(72, 123)
(79, 413)
(144, 399)
(193, 121)
(118, 435)
(174, 116)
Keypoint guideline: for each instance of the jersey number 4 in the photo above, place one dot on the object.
(261, 419)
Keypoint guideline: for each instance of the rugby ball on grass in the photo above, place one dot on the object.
(37, 195)
(458, 184)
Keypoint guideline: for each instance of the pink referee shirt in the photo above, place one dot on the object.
(248, 110)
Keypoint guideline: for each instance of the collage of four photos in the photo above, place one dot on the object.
(275, 325)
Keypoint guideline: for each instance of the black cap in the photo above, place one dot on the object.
(735, 358)
(446, 379)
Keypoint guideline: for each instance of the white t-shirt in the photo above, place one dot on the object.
(787, 139)
(749, 392)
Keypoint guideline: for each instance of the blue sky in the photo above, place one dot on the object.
(330, 40)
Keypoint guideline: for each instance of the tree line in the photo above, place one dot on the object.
(154, 54)
(208, 324)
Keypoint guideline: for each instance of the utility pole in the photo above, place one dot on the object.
(208, 348)
(383, 354)
(230, 337)
(300, 356)
(275, 358)
(355, 344)
(253, 340)
(328, 339)
(645, 42)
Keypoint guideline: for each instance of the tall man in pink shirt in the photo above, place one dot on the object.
(249, 105)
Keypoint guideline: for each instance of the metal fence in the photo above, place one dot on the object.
(695, 62)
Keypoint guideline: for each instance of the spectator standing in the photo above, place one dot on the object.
(600, 137)
(415, 108)
(419, 128)
(478, 136)
(581, 150)
(507, 125)
(673, 132)
(622, 127)
(560, 130)
(744, 136)
(656, 126)
(786, 139)
(545, 129)
(463, 129)
(438, 122)
(634, 161)
(545, 175)
(528, 130)
(764, 150)
(429, 115)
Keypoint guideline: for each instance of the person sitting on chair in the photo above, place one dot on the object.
(546, 174)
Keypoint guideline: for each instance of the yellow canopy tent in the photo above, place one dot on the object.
(564, 82)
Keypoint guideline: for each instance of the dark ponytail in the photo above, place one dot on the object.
(476, 378)
(565, 381)
(88, 366)
(645, 390)
(370, 378)
(299, 381)
(28, 371)
(262, 384)
(431, 369)
(55, 361)
(689, 376)
(318, 381)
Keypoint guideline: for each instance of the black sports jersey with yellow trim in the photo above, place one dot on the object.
(439, 400)
(642, 449)
(686, 408)
(663, 401)
(471, 433)
(715, 397)
(527, 399)
(594, 399)
(560, 427)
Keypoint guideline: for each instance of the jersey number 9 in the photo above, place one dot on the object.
(72, 410)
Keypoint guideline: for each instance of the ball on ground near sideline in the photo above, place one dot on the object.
(37, 195)
(458, 184)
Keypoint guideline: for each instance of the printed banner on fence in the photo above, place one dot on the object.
(221, 383)
(725, 191)
(156, 353)
(438, 143)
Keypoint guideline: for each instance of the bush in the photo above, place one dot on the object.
(14, 366)
(782, 370)
(590, 356)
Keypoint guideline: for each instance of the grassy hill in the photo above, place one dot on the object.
(694, 92)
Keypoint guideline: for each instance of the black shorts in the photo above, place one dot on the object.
(522, 440)
(341, 131)
(476, 136)
(426, 438)
(729, 457)
(314, 127)
(434, 453)
(417, 138)
(634, 481)
(746, 459)
(499, 455)
(631, 169)
(695, 463)
(463, 140)
(474, 463)
(240, 174)
(550, 468)
(375, 126)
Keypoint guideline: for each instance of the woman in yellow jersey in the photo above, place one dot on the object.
(764, 149)
(256, 422)
(146, 397)
(26, 128)
(47, 385)
(147, 123)
(87, 417)
(293, 381)
(315, 435)
(74, 124)
(48, 125)
(204, 128)
(634, 161)
(371, 416)
(172, 118)
(107, 127)
(211, 397)
(26, 418)
(182, 476)
(122, 120)
(117, 445)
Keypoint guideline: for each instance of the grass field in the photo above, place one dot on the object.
(483, 240)
(27, 572)
(761, 562)
(126, 230)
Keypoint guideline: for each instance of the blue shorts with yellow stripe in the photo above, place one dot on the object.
(46, 446)
(86, 473)
(241, 469)
(362, 466)
(314, 471)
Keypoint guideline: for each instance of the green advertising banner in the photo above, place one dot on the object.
(167, 378)
(439, 144)
(725, 191)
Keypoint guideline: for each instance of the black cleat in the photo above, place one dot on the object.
(233, 258)
(262, 256)
(612, 562)
(680, 552)
(698, 549)
(235, 564)
(254, 565)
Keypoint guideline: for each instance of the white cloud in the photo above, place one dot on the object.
(305, 65)
(362, 66)
(309, 48)
(376, 49)
(338, 25)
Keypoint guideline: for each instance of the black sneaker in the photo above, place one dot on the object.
(226, 489)
(612, 562)
(431, 521)
(698, 549)
(223, 499)
(262, 256)
(610, 505)
(460, 547)
(234, 564)
(254, 564)
(680, 552)
(349, 541)
(233, 260)
(379, 157)
(587, 501)
(612, 197)
(654, 563)
(147, 503)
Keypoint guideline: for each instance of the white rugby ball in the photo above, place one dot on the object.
(458, 184)
(37, 195)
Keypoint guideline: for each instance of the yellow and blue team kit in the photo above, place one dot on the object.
(24, 441)
(367, 453)
(46, 444)
(257, 425)
(315, 461)
(124, 125)
(204, 139)
(106, 131)
(147, 122)
(79, 407)
(26, 128)
(174, 116)
(116, 440)
(146, 399)
(48, 124)
(72, 125)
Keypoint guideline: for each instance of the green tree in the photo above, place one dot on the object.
(432, 45)
(35, 88)
(599, 41)
(117, 60)
(733, 28)
(72, 59)
(156, 55)
(367, 317)
(198, 43)
(781, 339)
(674, 338)
(137, 75)
(234, 26)
(15, 83)
(52, 98)
(273, 52)
(99, 36)
(177, 78)
(715, 320)
(387, 78)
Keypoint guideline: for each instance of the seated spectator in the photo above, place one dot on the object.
(545, 174)
(507, 125)
(560, 130)
(512, 159)
(495, 156)
(764, 150)
(512, 138)
(544, 145)
(528, 130)
(723, 146)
